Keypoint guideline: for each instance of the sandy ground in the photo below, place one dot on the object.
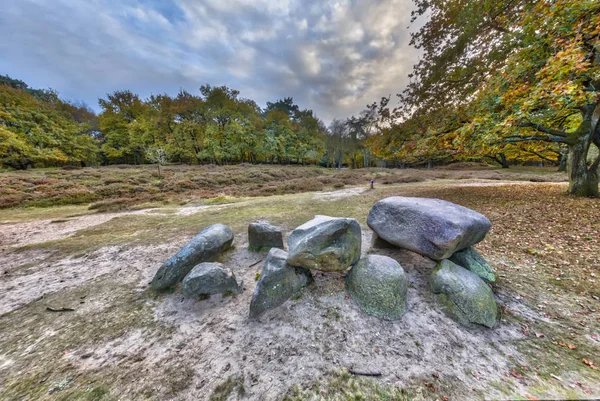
(292, 345)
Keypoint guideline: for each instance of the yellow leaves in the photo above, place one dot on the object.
(590, 364)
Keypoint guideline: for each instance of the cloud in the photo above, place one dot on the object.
(332, 56)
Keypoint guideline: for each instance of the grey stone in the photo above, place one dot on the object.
(464, 295)
(379, 286)
(471, 260)
(325, 243)
(278, 282)
(209, 279)
(431, 227)
(262, 235)
(204, 247)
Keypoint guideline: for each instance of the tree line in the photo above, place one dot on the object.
(502, 81)
(216, 126)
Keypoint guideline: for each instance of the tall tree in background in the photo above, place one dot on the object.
(523, 71)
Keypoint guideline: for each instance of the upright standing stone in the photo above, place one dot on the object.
(325, 243)
(379, 286)
(209, 279)
(471, 260)
(430, 227)
(278, 282)
(263, 235)
(204, 247)
(464, 295)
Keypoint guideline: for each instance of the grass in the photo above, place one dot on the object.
(124, 187)
(343, 386)
(234, 383)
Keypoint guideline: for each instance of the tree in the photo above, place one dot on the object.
(525, 72)
(35, 132)
(157, 155)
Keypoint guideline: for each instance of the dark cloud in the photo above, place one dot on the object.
(331, 56)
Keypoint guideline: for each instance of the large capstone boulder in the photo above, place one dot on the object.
(431, 227)
(471, 260)
(463, 294)
(262, 235)
(378, 284)
(278, 282)
(325, 243)
(204, 247)
(209, 279)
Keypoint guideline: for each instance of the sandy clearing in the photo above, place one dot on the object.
(305, 339)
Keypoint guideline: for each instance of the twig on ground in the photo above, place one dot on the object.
(371, 374)
(255, 263)
(49, 309)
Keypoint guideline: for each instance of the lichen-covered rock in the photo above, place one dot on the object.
(262, 235)
(204, 247)
(278, 282)
(378, 284)
(431, 227)
(325, 243)
(471, 260)
(209, 279)
(464, 295)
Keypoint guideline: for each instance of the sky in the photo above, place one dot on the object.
(333, 57)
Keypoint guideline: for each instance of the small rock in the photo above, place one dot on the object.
(471, 260)
(209, 279)
(278, 282)
(325, 243)
(431, 227)
(262, 235)
(204, 247)
(379, 286)
(464, 295)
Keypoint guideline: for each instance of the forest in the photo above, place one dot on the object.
(514, 81)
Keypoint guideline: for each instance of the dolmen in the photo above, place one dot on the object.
(437, 229)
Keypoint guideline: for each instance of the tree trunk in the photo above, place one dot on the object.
(562, 159)
(583, 180)
(502, 160)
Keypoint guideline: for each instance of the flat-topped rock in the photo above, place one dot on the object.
(325, 243)
(379, 286)
(263, 235)
(278, 282)
(463, 294)
(204, 247)
(431, 227)
(209, 279)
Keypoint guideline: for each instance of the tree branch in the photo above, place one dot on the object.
(540, 128)
(539, 154)
(550, 138)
